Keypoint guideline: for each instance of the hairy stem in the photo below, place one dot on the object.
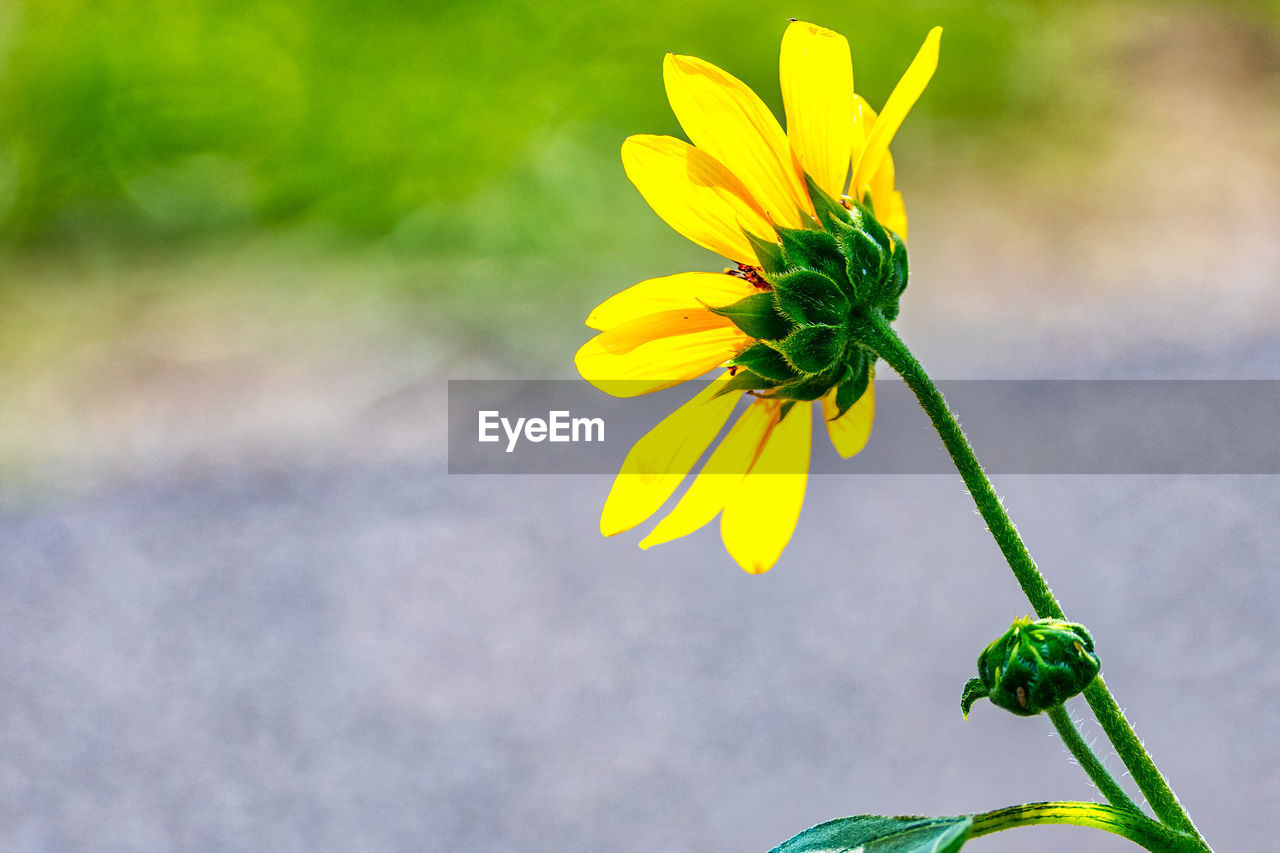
(1089, 760)
(888, 346)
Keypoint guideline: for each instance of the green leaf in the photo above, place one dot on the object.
(875, 834)
(808, 297)
(758, 316)
(765, 361)
(974, 690)
(769, 253)
(813, 349)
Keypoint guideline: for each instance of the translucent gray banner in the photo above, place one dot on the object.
(1016, 427)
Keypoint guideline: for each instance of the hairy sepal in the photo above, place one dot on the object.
(757, 315)
(816, 251)
(809, 298)
(765, 361)
(814, 349)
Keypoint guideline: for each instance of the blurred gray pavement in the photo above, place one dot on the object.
(357, 654)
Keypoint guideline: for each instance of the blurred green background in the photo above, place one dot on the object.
(148, 121)
(175, 171)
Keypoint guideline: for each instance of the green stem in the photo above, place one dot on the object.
(1145, 773)
(888, 346)
(1139, 829)
(1092, 765)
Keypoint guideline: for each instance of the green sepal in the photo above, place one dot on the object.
(813, 349)
(806, 389)
(809, 297)
(785, 409)
(898, 262)
(746, 380)
(893, 275)
(876, 834)
(864, 262)
(853, 385)
(758, 316)
(809, 388)
(766, 361)
(864, 218)
(816, 251)
(974, 690)
(769, 254)
(829, 210)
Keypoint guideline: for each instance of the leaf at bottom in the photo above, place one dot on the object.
(875, 834)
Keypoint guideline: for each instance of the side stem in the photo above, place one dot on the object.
(888, 346)
(1092, 765)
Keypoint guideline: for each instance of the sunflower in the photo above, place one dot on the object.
(816, 231)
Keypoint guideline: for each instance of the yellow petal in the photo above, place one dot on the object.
(849, 432)
(864, 118)
(661, 459)
(724, 118)
(817, 93)
(683, 290)
(887, 200)
(695, 195)
(896, 108)
(658, 364)
(624, 338)
(725, 469)
(881, 185)
(894, 216)
(761, 514)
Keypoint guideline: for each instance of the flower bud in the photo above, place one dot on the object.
(1035, 666)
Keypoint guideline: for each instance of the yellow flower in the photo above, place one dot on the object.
(748, 190)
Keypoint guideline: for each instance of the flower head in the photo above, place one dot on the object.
(816, 231)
